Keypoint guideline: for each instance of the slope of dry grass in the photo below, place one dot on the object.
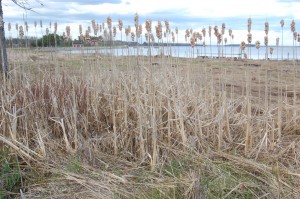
(104, 127)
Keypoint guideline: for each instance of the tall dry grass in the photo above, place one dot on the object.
(162, 131)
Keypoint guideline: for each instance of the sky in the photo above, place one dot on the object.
(184, 14)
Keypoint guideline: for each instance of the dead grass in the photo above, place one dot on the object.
(102, 127)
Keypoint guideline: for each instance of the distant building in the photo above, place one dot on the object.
(77, 44)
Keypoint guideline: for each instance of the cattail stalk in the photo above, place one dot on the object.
(282, 24)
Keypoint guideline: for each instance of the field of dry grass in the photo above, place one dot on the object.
(93, 126)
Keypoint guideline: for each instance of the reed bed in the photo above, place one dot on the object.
(77, 126)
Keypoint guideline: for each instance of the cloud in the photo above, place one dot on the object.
(194, 14)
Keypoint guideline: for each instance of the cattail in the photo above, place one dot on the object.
(80, 29)
(242, 45)
(277, 41)
(126, 32)
(41, 23)
(26, 26)
(50, 25)
(257, 44)
(140, 30)
(216, 31)
(167, 25)
(55, 27)
(152, 38)
(191, 31)
(203, 44)
(219, 38)
(223, 29)
(203, 32)
(35, 24)
(266, 27)
(281, 23)
(21, 32)
(109, 22)
(17, 26)
(105, 34)
(295, 35)
(68, 30)
(47, 31)
(87, 35)
(136, 20)
(129, 29)
(148, 25)
(132, 36)
(176, 30)
(89, 29)
(232, 36)
(173, 37)
(192, 41)
(249, 24)
(209, 31)
(249, 39)
(158, 30)
(298, 38)
(266, 40)
(114, 31)
(271, 51)
(146, 36)
(120, 24)
(187, 33)
(230, 32)
(225, 40)
(293, 29)
(9, 26)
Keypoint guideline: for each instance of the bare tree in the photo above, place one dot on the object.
(3, 54)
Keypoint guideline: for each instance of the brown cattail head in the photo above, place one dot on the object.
(187, 33)
(140, 30)
(173, 37)
(293, 28)
(219, 38)
(109, 22)
(21, 32)
(17, 26)
(232, 37)
(192, 41)
(80, 29)
(158, 29)
(242, 45)
(9, 26)
(266, 40)
(41, 23)
(35, 24)
(132, 36)
(209, 31)
(167, 26)
(281, 23)
(216, 31)
(176, 30)
(225, 40)
(271, 50)
(136, 20)
(249, 38)
(257, 44)
(249, 24)
(295, 35)
(87, 35)
(148, 25)
(126, 32)
(203, 32)
(277, 41)
(50, 25)
(120, 24)
(230, 32)
(152, 38)
(146, 36)
(55, 27)
(68, 30)
(266, 27)
(114, 31)
(223, 29)
(298, 38)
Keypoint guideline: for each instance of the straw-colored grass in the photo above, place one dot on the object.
(75, 128)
